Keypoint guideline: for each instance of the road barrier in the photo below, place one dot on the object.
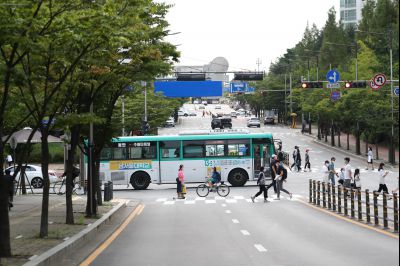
(336, 199)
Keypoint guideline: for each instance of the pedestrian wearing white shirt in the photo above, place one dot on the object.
(370, 160)
(382, 181)
(9, 160)
(348, 175)
(325, 172)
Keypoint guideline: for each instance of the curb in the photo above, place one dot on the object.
(55, 254)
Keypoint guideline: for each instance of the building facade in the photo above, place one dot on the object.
(351, 12)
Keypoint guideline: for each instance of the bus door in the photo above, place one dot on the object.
(261, 156)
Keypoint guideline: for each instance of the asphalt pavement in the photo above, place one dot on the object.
(236, 231)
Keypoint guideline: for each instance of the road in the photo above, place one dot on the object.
(235, 231)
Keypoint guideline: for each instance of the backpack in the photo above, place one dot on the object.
(218, 176)
(284, 173)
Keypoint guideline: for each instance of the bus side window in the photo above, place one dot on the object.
(170, 149)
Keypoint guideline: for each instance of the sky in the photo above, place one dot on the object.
(242, 31)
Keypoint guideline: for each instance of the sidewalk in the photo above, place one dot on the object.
(383, 151)
(25, 225)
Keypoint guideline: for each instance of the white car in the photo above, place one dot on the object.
(34, 175)
(170, 122)
(183, 113)
(204, 102)
(217, 107)
(202, 107)
(253, 122)
(196, 102)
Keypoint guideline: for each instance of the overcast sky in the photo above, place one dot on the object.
(241, 30)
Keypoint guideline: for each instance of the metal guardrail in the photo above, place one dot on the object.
(332, 198)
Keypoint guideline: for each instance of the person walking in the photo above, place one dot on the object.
(9, 160)
(325, 172)
(294, 156)
(382, 181)
(370, 160)
(332, 171)
(180, 181)
(298, 160)
(357, 179)
(10, 184)
(341, 176)
(307, 159)
(347, 173)
(280, 178)
(261, 185)
(274, 172)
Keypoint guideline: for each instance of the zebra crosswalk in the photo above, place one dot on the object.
(224, 201)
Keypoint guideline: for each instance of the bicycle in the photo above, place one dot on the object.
(59, 187)
(204, 189)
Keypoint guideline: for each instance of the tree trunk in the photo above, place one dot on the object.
(97, 178)
(339, 141)
(332, 134)
(358, 141)
(326, 133)
(348, 141)
(319, 130)
(366, 145)
(44, 221)
(91, 204)
(5, 244)
(376, 149)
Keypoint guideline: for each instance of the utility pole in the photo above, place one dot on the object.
(290, 92)
(285, 99)
(123, 114)
(259, 62)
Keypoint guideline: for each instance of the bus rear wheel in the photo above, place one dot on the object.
(238, 177)
(140, 180)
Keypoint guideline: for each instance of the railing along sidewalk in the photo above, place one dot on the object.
(337, 198)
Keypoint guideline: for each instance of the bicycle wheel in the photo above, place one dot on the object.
(78, 189)
(59, 187)
(223, 190)
(202, 190)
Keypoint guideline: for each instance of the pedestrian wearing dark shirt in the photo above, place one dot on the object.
(10, 184)
(273, 174)
(280, 178)
(307, 159)
(261, 185)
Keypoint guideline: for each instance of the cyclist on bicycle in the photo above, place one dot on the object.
(75, 174)
(215, 178)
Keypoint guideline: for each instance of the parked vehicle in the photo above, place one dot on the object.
(34, 175)
(204, 102)
(218, 107)
(196, 102)
(234, 114)
(221, 123)
(202, 107)
(253, 122)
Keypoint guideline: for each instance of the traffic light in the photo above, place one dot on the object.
(249, 76)
(190, 76)
(312, 85)
(355, 84)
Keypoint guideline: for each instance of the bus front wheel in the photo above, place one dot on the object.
(238, 177)
(140, 180)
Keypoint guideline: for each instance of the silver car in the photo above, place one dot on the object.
(253, 122)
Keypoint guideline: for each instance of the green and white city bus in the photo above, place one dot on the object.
(140, 160)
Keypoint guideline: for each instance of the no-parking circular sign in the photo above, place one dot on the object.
(373, 85)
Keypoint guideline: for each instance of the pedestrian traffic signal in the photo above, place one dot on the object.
(355, 84)
(249, 76)
(312, 85)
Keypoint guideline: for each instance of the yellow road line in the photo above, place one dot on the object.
(114, 235)
(351, 220)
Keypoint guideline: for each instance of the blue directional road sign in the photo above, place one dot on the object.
(333, 76)
(396, 91)
(238, 87)
(335, 95)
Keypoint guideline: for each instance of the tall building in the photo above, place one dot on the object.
(351, 12)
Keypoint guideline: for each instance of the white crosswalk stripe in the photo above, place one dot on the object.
(224, 201)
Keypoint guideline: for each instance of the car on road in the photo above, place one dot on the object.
(196, 102)
(204, 102)
(202, 107)
(269, 120)
(221, 123)
(253, 122)
(218, 107)
(192, 113)
(34, 175)
(183, 113)
(170, 122)
(234, 114)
